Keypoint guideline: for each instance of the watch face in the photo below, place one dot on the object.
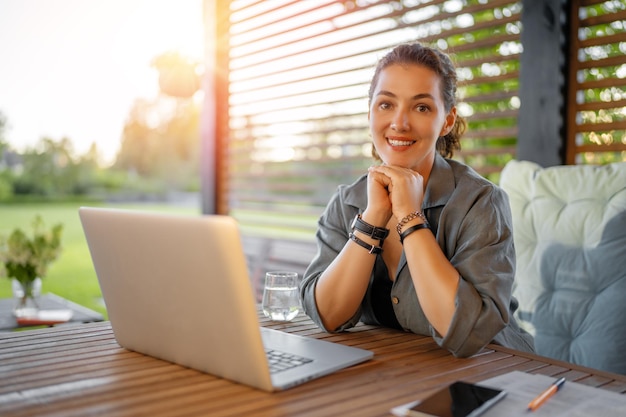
(353, 225)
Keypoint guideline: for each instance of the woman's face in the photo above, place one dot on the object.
(407, 116)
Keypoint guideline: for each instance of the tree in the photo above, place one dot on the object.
(161, 141)
(50, 170)
(178, 75)
(6, 189)
(4, 146)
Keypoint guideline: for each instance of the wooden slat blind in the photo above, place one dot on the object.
(596, 116)
(299, 75)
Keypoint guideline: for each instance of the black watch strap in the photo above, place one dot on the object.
(370, 248)
(379, 233)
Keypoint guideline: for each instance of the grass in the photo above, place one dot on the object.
(72, 275)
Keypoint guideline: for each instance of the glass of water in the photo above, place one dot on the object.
(281, 301)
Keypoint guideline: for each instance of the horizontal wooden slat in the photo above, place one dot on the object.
(476, 62)
(489, 79)
(603, 19)
(494, 115)
(601, 127)
(613, 61)
(602, 40)
(587, 3)
(451, 32)
(602, 83)
(255, 14)
(488, 151)
(613, 147)
(602, 105)
(492, 96)
(506, 132)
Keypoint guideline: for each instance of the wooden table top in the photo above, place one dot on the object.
(81, 370)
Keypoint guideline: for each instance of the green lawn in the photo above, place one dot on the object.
(72, 275)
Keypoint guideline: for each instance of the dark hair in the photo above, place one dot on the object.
(440, 64)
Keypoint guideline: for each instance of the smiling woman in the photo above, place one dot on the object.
(95, 62)
(439, 257)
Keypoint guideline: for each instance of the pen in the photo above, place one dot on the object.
(543, 397)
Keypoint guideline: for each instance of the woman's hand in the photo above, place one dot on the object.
(378, 203)
(402, 188)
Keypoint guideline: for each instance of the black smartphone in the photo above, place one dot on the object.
(460, 399)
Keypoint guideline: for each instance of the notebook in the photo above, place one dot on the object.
(177, 288)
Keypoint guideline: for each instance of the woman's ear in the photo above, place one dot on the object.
(449, 122)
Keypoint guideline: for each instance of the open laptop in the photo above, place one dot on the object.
(177, 288)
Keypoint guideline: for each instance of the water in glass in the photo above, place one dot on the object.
(281, 301)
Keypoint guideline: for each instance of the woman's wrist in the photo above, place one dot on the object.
(411, 229)
(376, 218)
(375, 232)
(411, 219)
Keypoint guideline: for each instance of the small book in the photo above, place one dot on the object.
(46, 318)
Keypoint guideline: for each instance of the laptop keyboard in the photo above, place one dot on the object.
(281, 361)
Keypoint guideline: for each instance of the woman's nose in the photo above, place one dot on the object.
(400, 122)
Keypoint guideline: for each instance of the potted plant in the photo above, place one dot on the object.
(26, 259)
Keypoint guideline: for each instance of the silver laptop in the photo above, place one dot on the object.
(177, 288)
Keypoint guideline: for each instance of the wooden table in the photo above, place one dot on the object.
(47, 301)
(80, 370)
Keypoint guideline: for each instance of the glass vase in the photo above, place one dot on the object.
(26, 297)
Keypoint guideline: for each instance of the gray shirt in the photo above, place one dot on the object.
(471, 220)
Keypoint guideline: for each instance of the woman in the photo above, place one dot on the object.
(422, 242)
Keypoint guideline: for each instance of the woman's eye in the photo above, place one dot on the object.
(421, 108)
(384, 106)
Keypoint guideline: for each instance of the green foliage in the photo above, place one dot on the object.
(160, 153)
(167, 151)
(50, 169)
(6, 187)
(26, 258)
(72, 275)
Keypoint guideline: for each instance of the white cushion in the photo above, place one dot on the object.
(569, 225)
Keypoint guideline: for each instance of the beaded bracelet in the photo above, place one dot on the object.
(408, 218)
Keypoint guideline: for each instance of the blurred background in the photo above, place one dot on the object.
(79, 82)
(83, 121)
(258, 108)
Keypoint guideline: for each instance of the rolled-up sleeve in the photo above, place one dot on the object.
(480, 246)
(331, 236)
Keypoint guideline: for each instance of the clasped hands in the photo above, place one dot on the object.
(393, 190)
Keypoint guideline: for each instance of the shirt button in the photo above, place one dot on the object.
(395, 300)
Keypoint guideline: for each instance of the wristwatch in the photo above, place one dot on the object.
(379, 233)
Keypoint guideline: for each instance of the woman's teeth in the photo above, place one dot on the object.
(394, 142)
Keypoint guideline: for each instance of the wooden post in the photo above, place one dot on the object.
(543, 77)
(214, 118)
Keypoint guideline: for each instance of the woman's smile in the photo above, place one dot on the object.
(399, 141)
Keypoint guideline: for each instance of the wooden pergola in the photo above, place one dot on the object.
(547, 118)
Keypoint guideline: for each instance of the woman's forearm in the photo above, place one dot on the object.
(435, 279)
(341, 287)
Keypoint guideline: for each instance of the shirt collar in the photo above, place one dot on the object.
(440, 185)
